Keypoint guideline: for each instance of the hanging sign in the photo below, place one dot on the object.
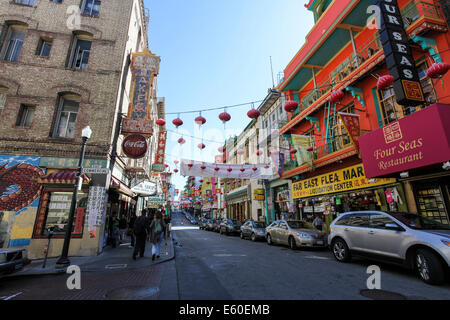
(135, 146)
(302, 143)
(160, 151)
(351, 123)
(144, 66)
(399, 58)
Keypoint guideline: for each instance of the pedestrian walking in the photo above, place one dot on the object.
(318, 223)
(130, 229)
(167, 221)
(141, 231)
(157, 228)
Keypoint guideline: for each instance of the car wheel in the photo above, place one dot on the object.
(269, 240)
(429, 267)
(253, 237)
(292, 243)
(340, 250)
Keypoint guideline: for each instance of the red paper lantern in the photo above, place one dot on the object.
(160, 122)
(259, 152)
(176, 161)
(337, 96)
(201, 181)
(224, 117)
(291, 106)
(190, 166)
(177, 122)
(222, 183)
(239, 181)
(181, 141)
(203, 167)
(228, 183)
(310, 149)
(438, 70)
(217, 169)
(253, 114)
(254, 169)
(293, 151)
(242, 170)
(201, 146)
(200, 120)
(267, 167)
(229, 169)
(208, 182)
(385, 82)
(221, 149)
(175, 170)
(166, 165)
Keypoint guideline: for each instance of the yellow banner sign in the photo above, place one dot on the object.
(347, 179)
(259, 197)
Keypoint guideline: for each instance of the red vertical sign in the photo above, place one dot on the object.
(351, 123)
(159, 156)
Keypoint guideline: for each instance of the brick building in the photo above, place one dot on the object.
(64, 65)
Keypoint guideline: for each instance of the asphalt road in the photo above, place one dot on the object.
(210, 266)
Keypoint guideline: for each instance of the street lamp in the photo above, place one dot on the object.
(64, 261)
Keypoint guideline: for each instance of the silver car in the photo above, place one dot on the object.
(416, 242)
(253, 230)
(295, 234)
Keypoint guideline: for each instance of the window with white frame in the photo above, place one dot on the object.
(3, 92)
(67, 117)
(14, 43)
(81, 53)
(25, 116)
(44, 47)
(91, 7)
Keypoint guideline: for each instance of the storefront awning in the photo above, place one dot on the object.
(121, 188)
(63, 176)
(418, 140)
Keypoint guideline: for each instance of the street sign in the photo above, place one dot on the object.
(95, 171)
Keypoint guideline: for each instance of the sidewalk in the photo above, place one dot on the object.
(111, 259)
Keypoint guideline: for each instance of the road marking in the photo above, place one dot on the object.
(184, 228)
(317, 257)
(13, 296)
(229, 255)
(116, 266)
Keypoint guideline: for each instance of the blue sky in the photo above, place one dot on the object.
(216, 53)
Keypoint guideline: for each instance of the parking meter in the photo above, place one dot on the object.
(51, 232)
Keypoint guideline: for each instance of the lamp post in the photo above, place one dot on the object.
(64, 261)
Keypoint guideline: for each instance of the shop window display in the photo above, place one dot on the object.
(431, 204)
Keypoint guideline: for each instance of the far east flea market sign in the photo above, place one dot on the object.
(418, 140)
(343, 180)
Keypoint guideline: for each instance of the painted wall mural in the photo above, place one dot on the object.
(19, 198)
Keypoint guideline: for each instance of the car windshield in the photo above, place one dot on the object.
(260, 225)
(418, 222)
(297, 224)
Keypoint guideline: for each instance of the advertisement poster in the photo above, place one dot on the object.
(351, 123)
(302, 143)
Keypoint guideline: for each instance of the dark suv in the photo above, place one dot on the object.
(230, 227)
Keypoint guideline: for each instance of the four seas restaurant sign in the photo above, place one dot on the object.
(420, 139)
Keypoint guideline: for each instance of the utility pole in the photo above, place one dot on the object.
(271, 69)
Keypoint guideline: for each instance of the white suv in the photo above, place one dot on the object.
(411, 240)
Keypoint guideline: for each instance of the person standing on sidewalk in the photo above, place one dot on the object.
(141, 233)
(122, 229)
(130, 228)
(156, 234)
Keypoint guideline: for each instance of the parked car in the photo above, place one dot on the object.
(12, 260)
(253, 230)
(209, 225)
(295, 234)
(228, 226)
(216, 226)
(413, 241)
(202, 223)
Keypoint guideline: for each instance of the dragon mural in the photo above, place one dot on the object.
(19, 186)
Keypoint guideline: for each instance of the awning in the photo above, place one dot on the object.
(63, 176)
(121, 188)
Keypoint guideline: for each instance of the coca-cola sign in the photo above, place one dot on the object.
(135, 146)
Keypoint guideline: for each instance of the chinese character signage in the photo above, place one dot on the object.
(144, 66)
(399, 58)
(351, 123)
(160, 151)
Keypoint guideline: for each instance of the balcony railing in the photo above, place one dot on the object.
(315, 95)
(416, 9)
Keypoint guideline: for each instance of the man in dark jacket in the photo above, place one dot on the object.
(141, 232)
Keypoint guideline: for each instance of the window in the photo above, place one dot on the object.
(91, 7)
(80, 56)
(57, 1)
(58, 209)
(379, 221)
(67, 118)
(359, 220)
(3, 92)
(14, 43)
(44, 47)
(338, 134)
(391, 111)
(26, 2)
(343, 221)
(25, 116)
